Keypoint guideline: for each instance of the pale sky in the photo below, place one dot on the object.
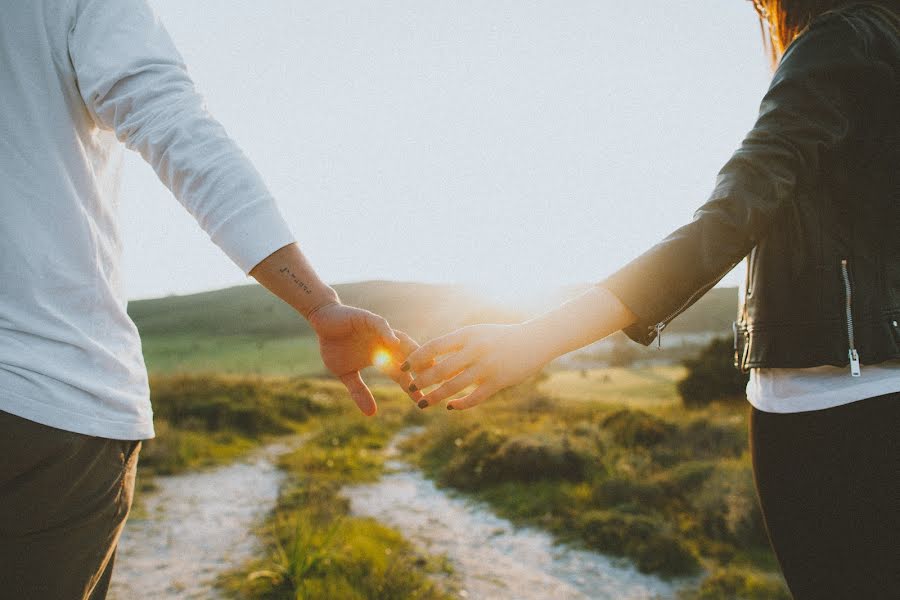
(509, 145)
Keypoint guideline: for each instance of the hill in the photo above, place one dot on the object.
(422, 310)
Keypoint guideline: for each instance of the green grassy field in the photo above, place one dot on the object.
(314, 548)
(613, 462)
(652, 386)
(669, 489)
(232, 354)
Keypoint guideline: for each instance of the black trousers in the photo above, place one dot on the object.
(64, 499)
(829, 488)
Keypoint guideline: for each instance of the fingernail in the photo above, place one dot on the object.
(423, 403)
(449, 407)
(405, 367)
(413, 388)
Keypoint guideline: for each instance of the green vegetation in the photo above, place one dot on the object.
(314, 547)
(712, 376)
(237, 354)
(206, 420)
(246, 329)
(672, 491)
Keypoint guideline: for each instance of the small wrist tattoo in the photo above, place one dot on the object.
(296, 281)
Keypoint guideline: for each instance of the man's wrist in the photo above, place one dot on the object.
(327, 297)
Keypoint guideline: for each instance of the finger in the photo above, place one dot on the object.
(360, 393)
(381, 327)
(454, 386)
(480, 394)
(404, 380)
(407, 344)
(424, 357)
(444, 370)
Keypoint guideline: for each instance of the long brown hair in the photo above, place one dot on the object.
(783, 20)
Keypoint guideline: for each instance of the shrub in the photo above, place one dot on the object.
(249, 405)
(465, 469)
(635, 495)
(531, 458)
(645, 540)
(727, 506)
(732, 583)
(637, 428)
(712, 376)
(704, 438)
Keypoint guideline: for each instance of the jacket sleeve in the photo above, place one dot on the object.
(805, 116)
(134, 82)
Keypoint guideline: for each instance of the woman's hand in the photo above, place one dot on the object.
(491, 357)
(350, 338)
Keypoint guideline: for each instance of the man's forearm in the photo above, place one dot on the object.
(287, 274)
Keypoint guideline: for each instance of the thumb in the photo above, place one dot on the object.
(360, 393)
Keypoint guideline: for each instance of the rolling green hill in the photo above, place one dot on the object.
(246, 329)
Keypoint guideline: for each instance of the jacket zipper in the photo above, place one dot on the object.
(662, 324)
(853, 354)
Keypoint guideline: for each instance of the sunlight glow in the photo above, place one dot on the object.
(518, 293)
(382, 358)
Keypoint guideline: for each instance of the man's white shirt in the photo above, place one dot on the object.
(80, 78)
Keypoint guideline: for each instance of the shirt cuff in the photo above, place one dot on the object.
(253, 233)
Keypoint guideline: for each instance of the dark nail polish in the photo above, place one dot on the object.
(423, 403)
(413, 388)
(449, 407)
(405, 367)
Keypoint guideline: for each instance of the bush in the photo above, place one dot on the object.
(465, 469)
(704, 438)
(251, 406)
(727, 506)
(739, 584)
(532, 458)
(712, 376)
(643, 539)
(631, 428)
(634, 495)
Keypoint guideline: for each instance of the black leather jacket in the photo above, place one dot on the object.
(813, 196)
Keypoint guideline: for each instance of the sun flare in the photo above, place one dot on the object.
(381, 358)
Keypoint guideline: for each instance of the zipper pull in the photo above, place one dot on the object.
(854, 363)
(659, 327)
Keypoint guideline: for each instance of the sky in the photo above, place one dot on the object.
(512, 146)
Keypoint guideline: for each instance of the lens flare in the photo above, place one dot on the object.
(381, 358)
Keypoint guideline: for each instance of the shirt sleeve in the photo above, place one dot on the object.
(805, 116)
(134, 82)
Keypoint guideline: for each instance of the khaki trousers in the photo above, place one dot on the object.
(64, 499)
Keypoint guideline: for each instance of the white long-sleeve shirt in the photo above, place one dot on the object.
(77, 77)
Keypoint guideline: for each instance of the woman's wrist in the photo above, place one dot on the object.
(540, 340)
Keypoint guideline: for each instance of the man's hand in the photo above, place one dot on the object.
(350, 338)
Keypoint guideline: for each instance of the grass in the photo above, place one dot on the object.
(610, 463)
(314, 547)
(669, 489)
(233, 354)
(652, 386)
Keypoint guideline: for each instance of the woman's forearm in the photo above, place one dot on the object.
(588, 318)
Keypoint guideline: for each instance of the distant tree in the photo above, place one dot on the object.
(712, 376)
(623, 353)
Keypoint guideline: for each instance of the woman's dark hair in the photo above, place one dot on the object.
(784, 20)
